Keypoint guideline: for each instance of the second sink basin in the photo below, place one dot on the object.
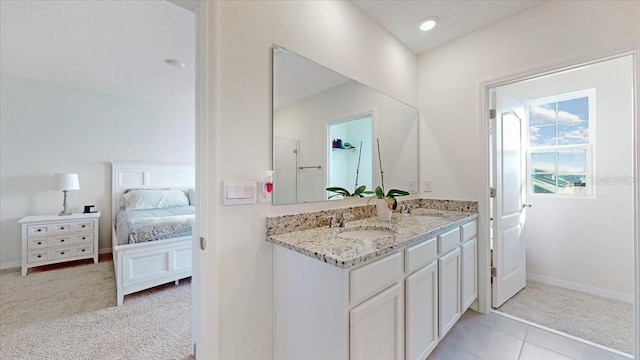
(368, 233)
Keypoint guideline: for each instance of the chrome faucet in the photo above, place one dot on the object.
(406, 208)
(339, 222)
(344, 218)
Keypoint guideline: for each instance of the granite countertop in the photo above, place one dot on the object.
(325, 244)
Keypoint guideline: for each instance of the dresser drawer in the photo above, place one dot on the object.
(469, 231)
(61, 253)
(84, 250)
(60, 228)
(37, 230)
(420, 254)
(448, 241)
(61, 240)
(37, 256)
(374, 277)
(37, 243)
(82, 226)
(84, 238)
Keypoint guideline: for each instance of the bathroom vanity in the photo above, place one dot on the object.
(375, 289)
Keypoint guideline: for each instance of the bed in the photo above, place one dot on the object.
(157, 260)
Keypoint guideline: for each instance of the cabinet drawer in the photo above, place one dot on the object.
(374, 277)
(36, 256)
(37, 243)
(420, 254)
(37, 230)
(448, 241)
(82, 226)
(469, 231)
(61, 240)
(84, 238)
(60, 228)
(84, 250)
(62, 253)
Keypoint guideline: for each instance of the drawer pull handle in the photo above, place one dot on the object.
(62, 240)
(39, 256)
(83, 238)
(39, 242)
(62, 253)
(39, 230)
(83, 226)
(62, 228)
(83, 250)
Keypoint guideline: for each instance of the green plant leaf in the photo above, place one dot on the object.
(396, 192)
(379, 192)
(360, 190)
(339, 191)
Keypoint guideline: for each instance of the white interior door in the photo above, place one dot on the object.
(509, 253)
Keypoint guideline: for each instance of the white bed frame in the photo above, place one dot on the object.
(145, 265)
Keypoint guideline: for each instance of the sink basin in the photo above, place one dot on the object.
(429, 212)
(366, 233)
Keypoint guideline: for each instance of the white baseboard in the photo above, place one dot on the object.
(11, 264)
(628, 298)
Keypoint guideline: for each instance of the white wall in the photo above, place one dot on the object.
(451, 79)
(336, 35)
(47, 128)
(566, 236)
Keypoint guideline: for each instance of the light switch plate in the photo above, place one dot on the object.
(427, 186)
(411, 185)
(239, 192)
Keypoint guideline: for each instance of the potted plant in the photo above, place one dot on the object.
(386, 203)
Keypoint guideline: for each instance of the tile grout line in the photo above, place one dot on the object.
(524, 340)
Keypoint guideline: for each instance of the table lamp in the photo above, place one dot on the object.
(66, 182)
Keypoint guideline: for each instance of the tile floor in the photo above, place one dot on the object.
(496, 337)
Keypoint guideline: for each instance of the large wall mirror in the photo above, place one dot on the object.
(326, 131)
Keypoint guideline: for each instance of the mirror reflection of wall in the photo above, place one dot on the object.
(307, 98)
(350, 155)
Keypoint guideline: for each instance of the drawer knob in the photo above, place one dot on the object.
(83, 238)
(62, 253)
(83, 226)
(61, 227)
(39, 256)
(39, 242)
(39, 230)
(83, 250)
(62, 240)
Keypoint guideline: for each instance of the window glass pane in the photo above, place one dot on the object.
(542, 135)
(572, 172)
(573, 110)
(542, 114)
(572, 133)
(543, 173)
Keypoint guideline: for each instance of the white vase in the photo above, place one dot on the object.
(384, 213)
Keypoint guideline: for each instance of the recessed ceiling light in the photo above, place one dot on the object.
(428, 24)
(175, 63)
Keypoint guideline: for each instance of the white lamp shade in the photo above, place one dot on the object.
(67, 182)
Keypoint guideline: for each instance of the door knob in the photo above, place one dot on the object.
(526, 205)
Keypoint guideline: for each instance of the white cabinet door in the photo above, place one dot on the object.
(469, 260)
(421, 312)
(449, 294)
(376, 329)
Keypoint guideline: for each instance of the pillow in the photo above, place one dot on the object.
(154, 199)
(192, 196)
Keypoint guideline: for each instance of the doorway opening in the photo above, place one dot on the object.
(562, 209)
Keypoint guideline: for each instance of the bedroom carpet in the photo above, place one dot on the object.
(600, 320)
(70, 313)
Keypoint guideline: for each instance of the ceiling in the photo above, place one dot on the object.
(117, 47)
(120, 47)
(456, 18)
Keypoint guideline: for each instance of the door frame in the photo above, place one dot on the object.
(484, 253)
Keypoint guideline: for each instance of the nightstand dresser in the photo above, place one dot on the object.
(50, 239)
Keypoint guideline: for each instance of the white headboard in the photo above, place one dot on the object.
(143, 175)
